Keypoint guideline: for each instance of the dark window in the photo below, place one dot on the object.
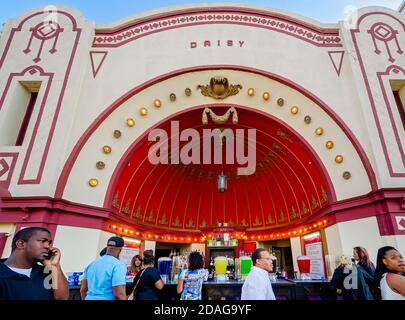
(401, 108)
(26, 120)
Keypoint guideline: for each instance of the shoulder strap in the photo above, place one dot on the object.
(140, 277)
(137, 282)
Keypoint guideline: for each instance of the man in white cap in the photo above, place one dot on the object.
(104, 278)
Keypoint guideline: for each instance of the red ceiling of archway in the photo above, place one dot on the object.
(287, 188)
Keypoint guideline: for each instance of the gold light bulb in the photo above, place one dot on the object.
(93, 182)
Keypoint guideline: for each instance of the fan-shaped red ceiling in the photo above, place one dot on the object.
(289, 186)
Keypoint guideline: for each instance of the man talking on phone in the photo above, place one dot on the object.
(21, 275)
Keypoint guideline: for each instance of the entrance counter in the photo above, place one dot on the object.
(232, 289)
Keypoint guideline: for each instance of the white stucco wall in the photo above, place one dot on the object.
(79, 246)
(342, 237)
(397, 242)
(375, 98)
(62, 92)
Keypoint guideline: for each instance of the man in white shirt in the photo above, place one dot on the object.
(257, 285)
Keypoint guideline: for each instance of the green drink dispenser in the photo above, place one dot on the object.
(245, 266)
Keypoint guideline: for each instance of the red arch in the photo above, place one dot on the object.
(128, 154)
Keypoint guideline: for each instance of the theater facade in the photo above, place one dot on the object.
(78, 101)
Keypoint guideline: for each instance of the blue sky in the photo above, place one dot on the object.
(108, 11)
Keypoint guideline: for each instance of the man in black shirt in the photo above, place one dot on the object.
(22, 278)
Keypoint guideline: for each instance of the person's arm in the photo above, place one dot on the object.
(83, 289)
(159, 284)
(206, 275)
(366, 275)
(334, 283)
(119, 292)
(62, 291)
(118, 281)
(180, 283)
(60, 285)
(180, 286)
(396, 282)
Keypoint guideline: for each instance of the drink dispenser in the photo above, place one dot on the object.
(164, 268)
(304, 265)
(220, 267)
(273, 275)
(237, 269)
(245, 266)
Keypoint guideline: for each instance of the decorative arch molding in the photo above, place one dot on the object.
(120, 35)
(334, 119)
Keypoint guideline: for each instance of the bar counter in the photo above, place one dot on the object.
(284, 289)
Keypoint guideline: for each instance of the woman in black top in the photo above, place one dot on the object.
(150, 283)
(362, 258)
(363, 261)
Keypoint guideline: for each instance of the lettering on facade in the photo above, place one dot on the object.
(217, 44)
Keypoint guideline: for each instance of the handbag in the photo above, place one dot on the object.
(132, 295)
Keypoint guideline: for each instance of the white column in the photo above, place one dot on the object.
(149, 245)
(296, 251)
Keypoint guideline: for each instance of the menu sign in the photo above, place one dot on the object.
(127, 254)
(313, 250)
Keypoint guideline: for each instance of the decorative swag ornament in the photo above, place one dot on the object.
(220, 119)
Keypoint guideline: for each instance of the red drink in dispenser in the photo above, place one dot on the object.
(304, 265)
